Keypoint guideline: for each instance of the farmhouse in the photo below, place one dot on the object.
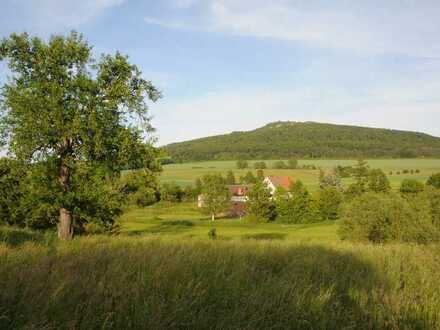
(274, 182)
(239, 193)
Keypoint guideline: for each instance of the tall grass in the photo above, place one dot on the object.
(152, 283)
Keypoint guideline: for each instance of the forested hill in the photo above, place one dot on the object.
(307, 140)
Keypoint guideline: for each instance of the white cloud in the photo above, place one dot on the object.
(398, 26)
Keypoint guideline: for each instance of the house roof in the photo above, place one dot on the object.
(239, 189)
(280, 181)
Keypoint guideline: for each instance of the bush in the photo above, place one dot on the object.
(171, 192)
(434, 181)
(279, 165)
(260, 165)
(242, 164)
(384, 218)
(411, 186)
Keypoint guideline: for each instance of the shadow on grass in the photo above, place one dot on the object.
(15, 237)
(157, 285)
(168, 227)
(265, 236)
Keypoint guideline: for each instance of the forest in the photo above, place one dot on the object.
(280, 140)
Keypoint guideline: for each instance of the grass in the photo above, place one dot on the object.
(187, 173)
(184, 220)
(167, 283)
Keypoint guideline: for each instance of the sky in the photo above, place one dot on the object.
(234, 65)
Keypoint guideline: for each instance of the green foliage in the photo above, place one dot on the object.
(242, 164)
(292, 163)
(329, 180)
(230, 178)
(434, 181)
(92, 116)
(260, 165)
(378, 181)
(329, 200)
(216, 196)
(411, 186)
(11, 174)
(140, 187)
(281, 140)
(260, 175)
(260, 204)
(249, 178)
(171, 192)
(279, 165)
(296, 206)
(384, 218)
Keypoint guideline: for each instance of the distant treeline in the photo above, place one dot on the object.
(282, 140)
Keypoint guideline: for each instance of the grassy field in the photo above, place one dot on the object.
(187, 173)
(169, 283)
(184, 220)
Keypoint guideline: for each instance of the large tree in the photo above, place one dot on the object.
(64, 108)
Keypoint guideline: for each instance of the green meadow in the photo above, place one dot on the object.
(187, 173)
(184, 221)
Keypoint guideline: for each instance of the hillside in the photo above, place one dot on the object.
(307, 140)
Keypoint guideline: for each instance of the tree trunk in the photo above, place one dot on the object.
(212, 216)
(65, 224)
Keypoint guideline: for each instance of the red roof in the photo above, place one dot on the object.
(280, 181)
(239, 189)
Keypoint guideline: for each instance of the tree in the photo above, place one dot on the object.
(260, 205)
(295, 206)
(67, 111)
(260, 165)
(411, 186)
(11, 175)
(329, 200)
(378, 181)
(171, 192)
(260, 175)
(242, 164)
(329, 180)
(279, 165)
(230, 178)
(383, 218)
(292, 163)
(216, 196)
(249, 178)
(434, 181)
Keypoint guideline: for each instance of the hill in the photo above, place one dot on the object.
(280, 140)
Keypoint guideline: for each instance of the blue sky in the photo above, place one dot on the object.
(227, 65)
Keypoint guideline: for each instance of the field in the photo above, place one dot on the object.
(187, 173)
(184, 221)
(148, 282)
(164, 271)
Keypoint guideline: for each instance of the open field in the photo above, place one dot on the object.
(187, 173)
(169, 283)
(184, 220)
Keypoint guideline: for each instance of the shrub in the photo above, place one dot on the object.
(292, 163)
(434, 181)
(378, 181)
(411, 186)
(171, 192)
(260, 165)
(383, 218)
(242, 164)
(279, 165)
